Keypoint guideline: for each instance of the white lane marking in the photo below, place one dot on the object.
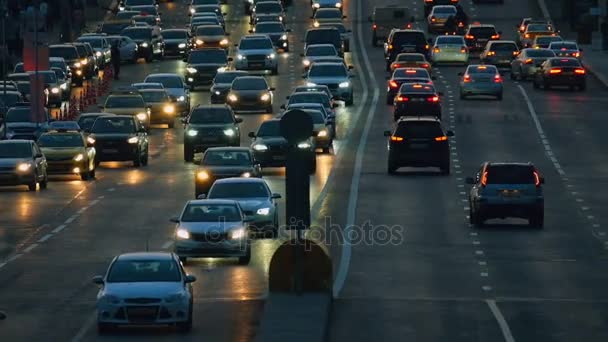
(30, 248)
(486, 288)
(59, 228)
(14, 257)
(101, 197)
(82, 210)
(111, 189)
(500, 319)
(2, 264)
(479, 252)
(540, 130)
(484, 274)
(93, 202)
(44, 238)
(85, 327)
(482, 263)
(71, 219)
(354, 189)
(167, 244)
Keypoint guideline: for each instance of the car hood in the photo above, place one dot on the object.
(58, 152)
(221, 86)
(112, 136)
(176, 91)
(212, 38)
(210, 126)
(154, 289)
(226, 171)
(126, 111)
(32, 125)
(209, 227)
(252, 203)
(327, 80)
(248, 92)
(273, 141)
(255, 52)
(176, 40)
(13, 161)
(212, 66)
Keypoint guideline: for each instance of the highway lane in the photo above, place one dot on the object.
(127, 209)
(447, 281)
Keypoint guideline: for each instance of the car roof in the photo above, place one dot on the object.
(218, 105)
(163, 74)
(16, 141)
(175, 30)
(255, 36)
(145, 256)
(114, 116)
(501, 41)
(96, 114)
(320, 45)
(250, 77)
(213, 201)
(481, 25)
(240, 180)
(509, 163)
(419, 119)
(321, 93)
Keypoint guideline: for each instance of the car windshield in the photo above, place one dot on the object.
(211, 213)
(23, 87)
(564, 46)
(86, 122)
(9, 99)
(176, 34)
(145, 19)
(249, 83)
(540, 53)
(510, 174)
(539, 28)
(327, 14)
(67, 52)
(413, 57)
(309, 98)
(144, 271)
(207, 9)
(227, 77)
(409, 73)
(154, 96)
(268, 7)
(114, 28)
(227, 158)
(316, 116)
(325, 50)
(269, 129)
(503, 47)
(210, 31)
(238, 190)
(147, 86)
(57, 64)
(566, 62)
(269, 28)
(125, 102)
(419, 130)
(114, 125)
(328, 70)
(450, 40)
(408, 38)
(19, 115)
(15, 150)
(137, 33)
(166, 81)
(61, 140)
(216, 56)
(257, 43)
(49, 77)
(211, 116)
(95, 42)
(548, 39)
(482, 70)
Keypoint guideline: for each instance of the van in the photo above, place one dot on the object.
(324, 35)
(384, 19)
(401, 41)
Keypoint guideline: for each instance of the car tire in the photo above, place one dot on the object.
(144, 160)
(137, 161)
(44, 183)
(244, 260)
(392, 168)
(104, 328)
(185, 327)
(445, 169)
(84, 176)
(32, 186)
(374, 39)
(171, 124)
(149, 58)
(92, 174)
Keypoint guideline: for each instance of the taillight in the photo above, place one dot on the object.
(433, 99)
(454, 0)
(402, 98)
(555, 71)
(495, 36)
(441, 138)
(515, 53)
(460, 24)
(374, 26)
(522, 28)
(393, 84)
(433, 19)
(484, 178)
(436, 50)
(529, 61)
(409, 26)
(576, 54)
(526, 35)
(467, 78)
(536, 179)
(497, 78)
(491, 53)
(469, 36)
(396, 138)
(390, 46)
(463, 49)
(396, 65)
(426, 47)
(579, 71)
(424, 65)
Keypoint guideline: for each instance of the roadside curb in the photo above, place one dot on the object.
(599, 75)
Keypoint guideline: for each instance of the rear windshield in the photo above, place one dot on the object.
(566, 46)
(484, 69)
(313, 36)
(113, 125)
(249, 83)
(410, 57)
(539, 28)
(325, 50)
(209, 31)
(227, 77)
(15, 150)
(419, 73)
(419, 130)
(503, 47)
(137, 33)
(175, 34)
(482, 31)
(416, 88)
(270, 129)
(125, 102)
(450, 40)
(409, 38)
(444, 10)
(566, 62)
(330, 13)
(540, 53)
(211, 116)
(510, 174)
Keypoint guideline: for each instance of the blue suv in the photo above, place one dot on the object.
(503, 190)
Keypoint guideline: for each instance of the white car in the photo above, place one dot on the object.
(256, 52)
(450, 49)
(144, 289)
(316, 51)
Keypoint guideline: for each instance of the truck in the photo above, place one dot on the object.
(386, 18)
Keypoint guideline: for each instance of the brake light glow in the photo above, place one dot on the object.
(374, 26)
(393, 84)
(469, 36)
(536, 179)
(433, 19)
(424, 65)
(417, 86)
(396, 65)
(454, 0)
(484, 178)
(467, 78)
(441, 138)
(576, 54)
(395, 138)
(527, 35)
(579, 71)
(410, 71)
(495, 36)
(426, 46)
(563, 49)
(409, 26)
(433, 99)
(482, 67)
(390, 46)
(402, 98)
(460, 24)
(529, 61)
(497, 78)
(522, 28)
(515, 53)
(555, 71)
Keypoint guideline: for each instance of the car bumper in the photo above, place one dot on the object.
(65, 167)
(475, 45)
(481, 88)
(565, 80)
(498, 61)
(218, 96)
(14, 178)
(183, 107)
(266, 64)
(160, 117)
(200, 79)
(503, 210)
(271, 159)
(450, 57)
(343, 94)
(224, 248)
(322, 142)
(158, 313)
(417, 110)
(200, 144)
(422, 158)
(175, 50)
(250, 105)
(120, 154)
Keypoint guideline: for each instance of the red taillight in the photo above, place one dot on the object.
(527, 35)
(395, 138)
(402, 98)
(467, 78)
(484, 178)
(426, 47)
(469, 36)
(460, 24)
(555, 71)
(374, 26)
(497, 78)
(576, 54)
(491, 53)
(454, 1)
(563, 49)
(579, 71)
(433, 99)
(396, 65)
(390, 46)
(424, 65)
(495, 36)
(433, 19)
(393, 84)
(536, 179)
(441, 138)
(522, 28)
(409, 26)
(529, 61)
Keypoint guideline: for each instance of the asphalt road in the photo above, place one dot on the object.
(437, 279)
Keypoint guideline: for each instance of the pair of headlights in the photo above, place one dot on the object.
(229, 132)
(263, 147)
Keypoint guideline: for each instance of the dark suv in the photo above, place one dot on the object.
(478, 35)
(399, 41)
(429, 4)
(203, 65)
(210, 126)
(325, 35)
(71, 56)
(503, 190)
(418, 142)
(119, 138)
(150, 43)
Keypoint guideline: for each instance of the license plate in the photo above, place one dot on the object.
(419, 146)
(510, 193)
(109, 150)
(278, 157)
(142, 311)
(569, 73)
(504, 61)
(408, 48)
(417, 99)
(256, 65)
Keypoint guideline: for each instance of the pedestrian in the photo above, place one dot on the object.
(115, 59)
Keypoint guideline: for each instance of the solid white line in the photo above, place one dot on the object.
(354, 188)
(70, 219)
(86, 326)
(167, 244)
(30, 248)
(502, 323)
(44, 238)
(14, 257)
(82, 210)
(59, 228)
(2, 264)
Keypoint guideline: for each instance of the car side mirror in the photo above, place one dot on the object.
(251, 135)
(189, 278)
(174, 219)
(201, 196)
(344, 17)
(387, 133)
(449, 133)
(98, 280)
(275, 196)
(469, 180)
(238, 120)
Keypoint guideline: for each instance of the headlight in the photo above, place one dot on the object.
(284, 37)
(199, 42)
(229, 132)
(237, 234)
(217, 92)
(98, 54)
(240, 57)
(90, 140)
(79, 157)
(121, 8)
(265, 97)
(84, 62)
(202, 175)
(182, 234)
(232, 98)
(338, 5)
(141, 116)
(224, 42)
(77, 65)
(304, 145)
(221, 69)
(246, 174)
(132, 140)
(55, 90)
(110, 299)
(169, 109)
(263, 211)
(344, 84)
(181, 45)
(272, 56)
(322, 133)
(192, 10)
(316, 5)
(191, 70)
(316, 24)
(192, 133)
(181, 98)
(144, 44)
(78, 72)
(260, 147)
(306, 62)
(23, 167)
(64, 86)
(310, 84)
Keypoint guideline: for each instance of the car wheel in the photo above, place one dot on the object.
(44, 183)
(32, 186)
(137, 161)
(104, 328)
(445, 169)
(149, 58)
(92, 174)
(171, 124)
(374, 40)
(84, 176)
(392, 168)
(188, 153)
(186, 326)
(244, 260)
(144, 160)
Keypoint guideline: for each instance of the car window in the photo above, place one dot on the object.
(229, 158)
(114, 125)
(316, 116)
(484, 69)
(129, 271)
(60, 140)
(408, 38)
(482, 31)
(124, 102)
(510, 174)
(208, 56)
(67, 52)
(15, 150)
(269, 129)
(227, 77)
(166, 81)
(414, 57)
(255, 44)
(238, 190)
(539, 28)
(450, 40)
(268, 7)
(403, 72)
(211, 213)
(328, 50)
(444, 10)
(18, 115)
(209, 31)
(211, 116)
(331, 70)
(420, 129)
(86, 122)
(540, 53)
(175, 34)
(154, 96)
(566, 62)
(503, 47)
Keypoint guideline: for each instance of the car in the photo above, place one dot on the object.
(126, 15)
(317, 4)
(276, 31)
(478, 35)
(224, 162)
(221, 84)
(335, 76)
(177, 41)
(176, 86)
(449, 49)
(88, 60)
(253, 195)
(86, 121)
(207, 20)
(8, 99)
(256, 52)
(210, 126)
(410, 60)
(527, 62)
(416, 99)
(268, 7)
(67, 152)
(60, 62)
(323, 126)
(345, 33)
(327, 15)
(429, 4)
(127, 46)
(114, 27)
(481, 80)
(128, 103)
(125, 5)
(210, 36)
(150, 85)
(316, 51)
(22, 80)
(53, 86)
(21, 125)
(193, 3)
(203, 64)
(198, 17)
(418, 142)
(560, 71)
(499, 53)
(438, 16)
(210, 8)
(148, 14)
(324, 35)
(149, 41)
(22, 163)
(319, 97)
(101, 46)
(64, 82)
(266, 17)
(532, 30)
(399, 41)
(405, 75)
(385, 19)
(149, 288)
(161, 105)
(212, 228)
(315, 88)
(521, 27)
(71, 56)
(542, 42)
(270, 148)
(251, 93)
(119, 138)
(508, 189)
(566, 49)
